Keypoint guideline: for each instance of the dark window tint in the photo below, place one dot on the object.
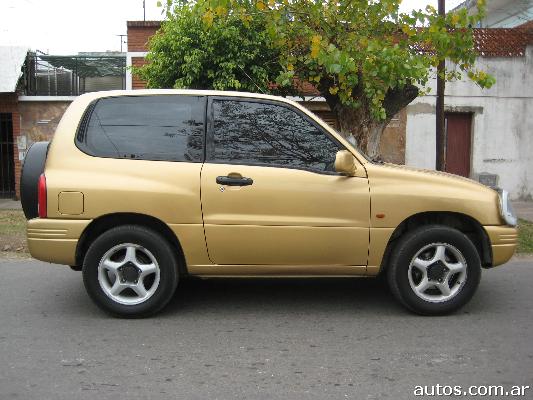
(165, 127)
(261, 133)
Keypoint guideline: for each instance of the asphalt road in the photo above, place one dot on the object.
(257, 339)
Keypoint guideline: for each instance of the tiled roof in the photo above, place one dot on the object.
(528, 26)
(503, 42)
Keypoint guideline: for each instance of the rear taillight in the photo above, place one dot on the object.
(41, 190)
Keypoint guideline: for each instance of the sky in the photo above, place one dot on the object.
(71, 26)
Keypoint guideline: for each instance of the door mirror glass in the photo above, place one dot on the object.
(345, 163)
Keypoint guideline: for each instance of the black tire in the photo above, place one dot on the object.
(163, 253)
(32, 168)
(406, 250)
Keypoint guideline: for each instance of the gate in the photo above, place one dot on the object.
(7, 166)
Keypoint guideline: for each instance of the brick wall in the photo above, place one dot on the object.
(139, 32)
(9, 104)
(136, 82)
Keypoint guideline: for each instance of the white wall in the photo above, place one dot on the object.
(502, 129)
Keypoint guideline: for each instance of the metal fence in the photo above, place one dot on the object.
(46, 75)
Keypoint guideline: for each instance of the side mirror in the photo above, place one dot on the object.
(345, 163)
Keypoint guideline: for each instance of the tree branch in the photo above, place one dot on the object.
(396, 99)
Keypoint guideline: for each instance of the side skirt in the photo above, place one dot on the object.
(277, 270)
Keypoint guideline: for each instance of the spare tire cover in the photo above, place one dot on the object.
(32, 168)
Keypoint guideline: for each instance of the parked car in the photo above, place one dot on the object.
(138, 189)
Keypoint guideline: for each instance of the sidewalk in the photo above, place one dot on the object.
(8, 204)
(524, 209)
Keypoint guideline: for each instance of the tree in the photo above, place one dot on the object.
(366, 58)
(194, 51)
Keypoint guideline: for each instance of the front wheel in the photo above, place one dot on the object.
(434, 270)
(130, 271)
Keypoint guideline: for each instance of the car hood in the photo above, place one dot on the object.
(445, 176)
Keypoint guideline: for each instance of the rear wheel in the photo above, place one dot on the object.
(130, 271)
(434, 270)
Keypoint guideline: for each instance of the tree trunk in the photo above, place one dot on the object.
(359, 122)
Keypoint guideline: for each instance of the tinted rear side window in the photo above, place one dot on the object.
(167, 127)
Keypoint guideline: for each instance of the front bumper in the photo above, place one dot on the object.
(55, 240)
(504, 240)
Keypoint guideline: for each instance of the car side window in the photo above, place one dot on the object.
(256, 133)
(165, 127)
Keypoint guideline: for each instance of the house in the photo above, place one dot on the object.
(35, 91)
(501, 13)
(489, 132)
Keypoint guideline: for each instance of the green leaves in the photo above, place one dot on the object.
(356, 52)
(192, 51)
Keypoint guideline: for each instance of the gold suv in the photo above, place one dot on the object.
(138, 189)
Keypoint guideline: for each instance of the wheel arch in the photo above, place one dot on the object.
(462, 222)
(108, 221)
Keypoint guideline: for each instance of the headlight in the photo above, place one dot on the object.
(506, 208)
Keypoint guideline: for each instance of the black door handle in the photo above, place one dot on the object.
(231, 181)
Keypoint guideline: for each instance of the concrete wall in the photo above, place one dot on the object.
(502, 129)
(392, 144)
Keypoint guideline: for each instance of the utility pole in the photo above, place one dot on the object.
(144, 10)
(439, 111)
(122, 41)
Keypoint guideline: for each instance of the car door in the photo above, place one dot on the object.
(270, 195)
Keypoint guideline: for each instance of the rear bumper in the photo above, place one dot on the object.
(504, 240)
(55, 240)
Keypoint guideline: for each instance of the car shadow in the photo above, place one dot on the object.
(233, 297)
(285, 295)
(339, 297)
(332, 296)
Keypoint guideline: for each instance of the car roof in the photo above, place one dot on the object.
(190, 92)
